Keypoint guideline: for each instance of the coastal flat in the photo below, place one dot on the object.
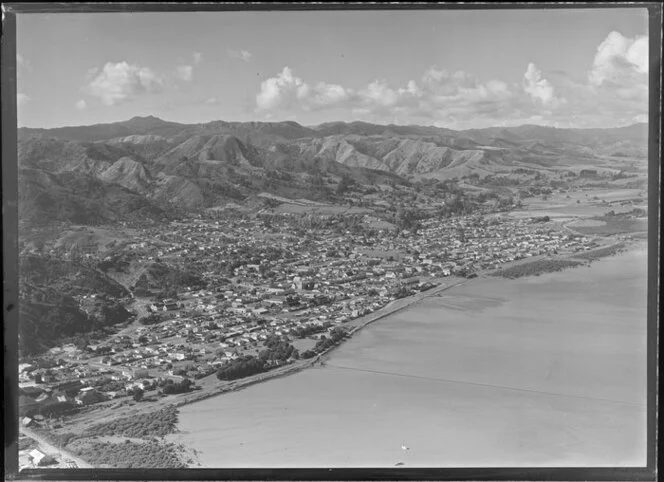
(540, 371)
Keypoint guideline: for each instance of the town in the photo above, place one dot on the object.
(273, 283)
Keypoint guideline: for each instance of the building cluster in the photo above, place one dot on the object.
(261, 282)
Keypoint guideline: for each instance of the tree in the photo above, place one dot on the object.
(138, 395)
(308, 354)
(344, 184)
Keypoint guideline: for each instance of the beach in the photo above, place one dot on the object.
(541, 371)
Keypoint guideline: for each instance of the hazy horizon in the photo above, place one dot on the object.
(332, 121)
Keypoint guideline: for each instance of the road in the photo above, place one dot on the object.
(51, 449)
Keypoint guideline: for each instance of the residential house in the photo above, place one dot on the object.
(88, 396)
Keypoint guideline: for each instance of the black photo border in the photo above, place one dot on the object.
(10, 261)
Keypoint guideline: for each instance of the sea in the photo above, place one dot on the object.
(545, 371)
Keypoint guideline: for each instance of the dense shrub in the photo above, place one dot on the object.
(303, 331)
(173, 388)
(241, 367)
(129, 455)
(278, 351)
(151, 319)
(155, 424)
(535, 268)
(336, 335)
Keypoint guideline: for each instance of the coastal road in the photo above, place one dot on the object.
(50, 449)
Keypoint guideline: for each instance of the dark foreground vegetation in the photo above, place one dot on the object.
(132, 455)
(155, 424)
(535, 268)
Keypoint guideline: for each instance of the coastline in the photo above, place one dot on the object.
(560, 368)
(358, 324)
(392, 308)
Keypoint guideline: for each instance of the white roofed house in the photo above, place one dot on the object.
(37, 457)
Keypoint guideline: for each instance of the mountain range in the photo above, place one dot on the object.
(145, 167)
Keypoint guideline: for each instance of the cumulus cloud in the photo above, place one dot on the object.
(198, 57)
(186, 73)
(81, 104)
(620, 70)
(120, 82)
(22, 99)
(283, 91)
(243, 55)
(211, 101)
(614, 89)
(437, 95)
(619, 59)
(539, 88)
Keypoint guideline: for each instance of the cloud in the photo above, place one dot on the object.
(22, 99)
(212, 101)
(614, 89)
(198, 57)
(437, 95)
(186, 73)
(284, 90)
(539, 88)
(619, 59)
(81, 104)
(620, 70)
(239, 54)
(121, 82)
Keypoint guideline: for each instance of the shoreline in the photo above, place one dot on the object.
(389, 309)
(291, 391)
(392, 308)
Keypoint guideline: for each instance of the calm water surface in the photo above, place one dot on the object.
(545, 371)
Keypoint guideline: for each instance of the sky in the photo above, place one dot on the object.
(458, 69)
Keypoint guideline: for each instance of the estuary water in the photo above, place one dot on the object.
(544, 371)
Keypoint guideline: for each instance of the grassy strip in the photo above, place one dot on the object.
(601, 252)
(153, 424)
(131, 455)
(535, 268)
